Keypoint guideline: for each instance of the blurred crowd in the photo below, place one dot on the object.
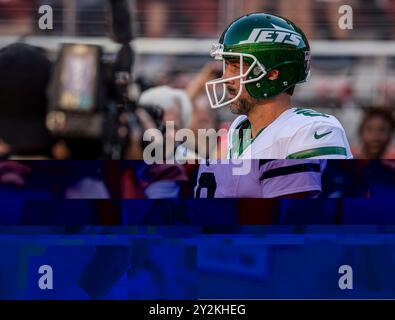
(166, 18)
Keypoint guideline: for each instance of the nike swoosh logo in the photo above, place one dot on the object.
(319, 136)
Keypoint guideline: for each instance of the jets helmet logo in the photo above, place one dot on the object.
(275, 34)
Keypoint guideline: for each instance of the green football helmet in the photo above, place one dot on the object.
(265, 42)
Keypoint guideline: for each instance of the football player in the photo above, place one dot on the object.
(264, 56)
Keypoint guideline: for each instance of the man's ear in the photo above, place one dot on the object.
(273, 74)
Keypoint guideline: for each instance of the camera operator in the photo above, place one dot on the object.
(25, 73)
(23, 107)
(140, 180)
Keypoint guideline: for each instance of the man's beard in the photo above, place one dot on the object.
(242, 106)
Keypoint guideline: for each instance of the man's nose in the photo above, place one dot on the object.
(228, 74)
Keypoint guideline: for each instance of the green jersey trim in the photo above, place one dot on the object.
(316, 152)
(241, 138)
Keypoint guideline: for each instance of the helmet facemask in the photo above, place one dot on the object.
(255, 68)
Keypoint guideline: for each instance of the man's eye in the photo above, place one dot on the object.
(234, 67)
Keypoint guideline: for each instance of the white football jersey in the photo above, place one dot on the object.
(296, 134)
(259, 178)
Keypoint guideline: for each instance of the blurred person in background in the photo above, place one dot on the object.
(16, 16)
(161, 18)
(25, 74)
(177, 108)
(140, 180)
(156, 181)
(154, 17)
(376, 132)
(204, 117)
(52, 179)
(4, 149)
